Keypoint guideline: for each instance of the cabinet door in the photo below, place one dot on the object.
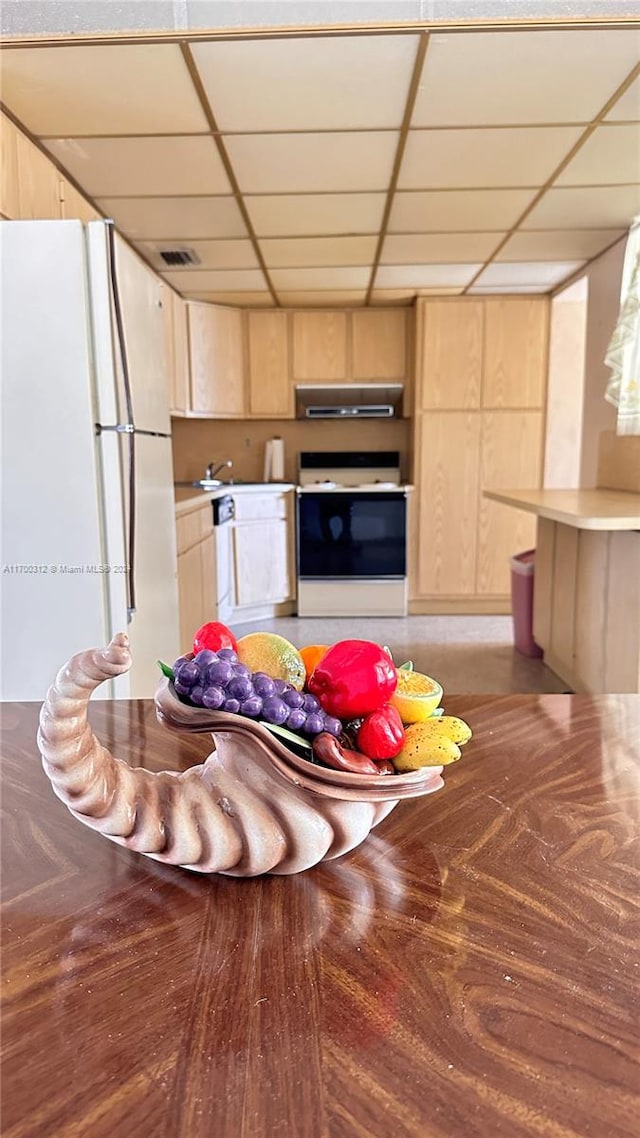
(9, 188)
(216, 361)
(451, 355)
(190, 581)
(511, 458)
(180, 393)
(261, 563)
(515, 353)
(39, 183)
(270, 389)
(319, 346)
(74, 206)
(379, 344)
(448, 446)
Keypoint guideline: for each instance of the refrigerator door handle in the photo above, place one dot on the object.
(131, 544)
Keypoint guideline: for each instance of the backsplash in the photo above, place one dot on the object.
(197, 442)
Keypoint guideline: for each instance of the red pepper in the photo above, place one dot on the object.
(353, 678)
(381, 735)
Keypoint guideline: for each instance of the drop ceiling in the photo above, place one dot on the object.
(360, 168)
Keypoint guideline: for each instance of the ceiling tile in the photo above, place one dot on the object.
(210, 280)
(328, 299)
(627, 109)
(599, 208)
(298, 252)
(66, 91)
(425, 276)
(132, 166)
(558, 244)
(543, 273)
(315, 280)
(403, 297)
(522, 77)
(267, 163)
(212, 254)
(239, 299)
(420, 248)
(457, 210)
(610, 155)
(180, 219)
(320, 82)
(289, 215)
(477, 158)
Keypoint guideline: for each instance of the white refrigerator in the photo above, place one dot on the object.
(88, 523)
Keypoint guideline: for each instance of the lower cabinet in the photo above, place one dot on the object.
(263, 550)
(197, 588)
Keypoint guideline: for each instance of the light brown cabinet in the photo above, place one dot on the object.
(450, 354)
(476, 427)
(39, 183)
(9, 183)
(379, 344)
(320, 347)
(176, 351)
(447, 488)
(515, 352)
(197, 593)
(270, 388)
(216, 356)
(74, 205)
(511, 457)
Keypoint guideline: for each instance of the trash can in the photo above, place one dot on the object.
(522, 569)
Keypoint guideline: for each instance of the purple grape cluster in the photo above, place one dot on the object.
(219, 681)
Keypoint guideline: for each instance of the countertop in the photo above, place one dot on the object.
(584, 509)
(470, 971)
(188, 496)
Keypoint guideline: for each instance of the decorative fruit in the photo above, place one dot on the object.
(329, 751)
(432, 744)
(213, 636)
(416, 696)
(381, 735)
(312, 655)
(270, 653)
(353, 678)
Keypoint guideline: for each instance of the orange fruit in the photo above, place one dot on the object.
(312, 656)
(270, 653)
(416, 696)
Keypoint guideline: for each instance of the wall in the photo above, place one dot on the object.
(565, 390)
(604, 277)
(197, 442)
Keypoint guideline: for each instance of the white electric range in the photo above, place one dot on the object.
(351, 534)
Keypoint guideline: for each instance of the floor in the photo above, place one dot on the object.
(464, 653)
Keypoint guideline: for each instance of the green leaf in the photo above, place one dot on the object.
(166, 670)
(288, 735)
(406, 667)
(385, 648)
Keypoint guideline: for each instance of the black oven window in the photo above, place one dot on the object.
(351, 535)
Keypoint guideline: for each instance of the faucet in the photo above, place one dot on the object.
(212, 470)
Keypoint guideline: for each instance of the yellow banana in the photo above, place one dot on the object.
(424, 747)
(450, 726)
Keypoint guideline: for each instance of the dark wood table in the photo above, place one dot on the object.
(470, 971)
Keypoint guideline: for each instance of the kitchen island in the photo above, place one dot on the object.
(586, 608)
(471, 969)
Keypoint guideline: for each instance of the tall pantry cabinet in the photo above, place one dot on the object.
(479, 423)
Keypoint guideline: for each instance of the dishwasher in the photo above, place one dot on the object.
(223, 513)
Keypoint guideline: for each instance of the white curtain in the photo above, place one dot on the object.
(623, 353)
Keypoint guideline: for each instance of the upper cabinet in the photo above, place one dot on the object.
(39, 183)
(379, 344)
(176, 350)
(216, 353)
(74, 206)
(9, 184)
(450, 354)
(319, 347)
(515, 354)
(270, 388)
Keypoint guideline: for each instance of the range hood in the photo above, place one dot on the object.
(349, 400)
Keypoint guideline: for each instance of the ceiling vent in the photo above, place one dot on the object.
(179, 257)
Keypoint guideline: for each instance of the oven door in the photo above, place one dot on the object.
(352, 534)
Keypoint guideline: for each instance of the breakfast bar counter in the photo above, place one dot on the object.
(470, 970)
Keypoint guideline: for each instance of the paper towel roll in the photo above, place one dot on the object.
(268, 459)
(277, 460)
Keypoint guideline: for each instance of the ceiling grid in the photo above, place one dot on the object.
(349, 165)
